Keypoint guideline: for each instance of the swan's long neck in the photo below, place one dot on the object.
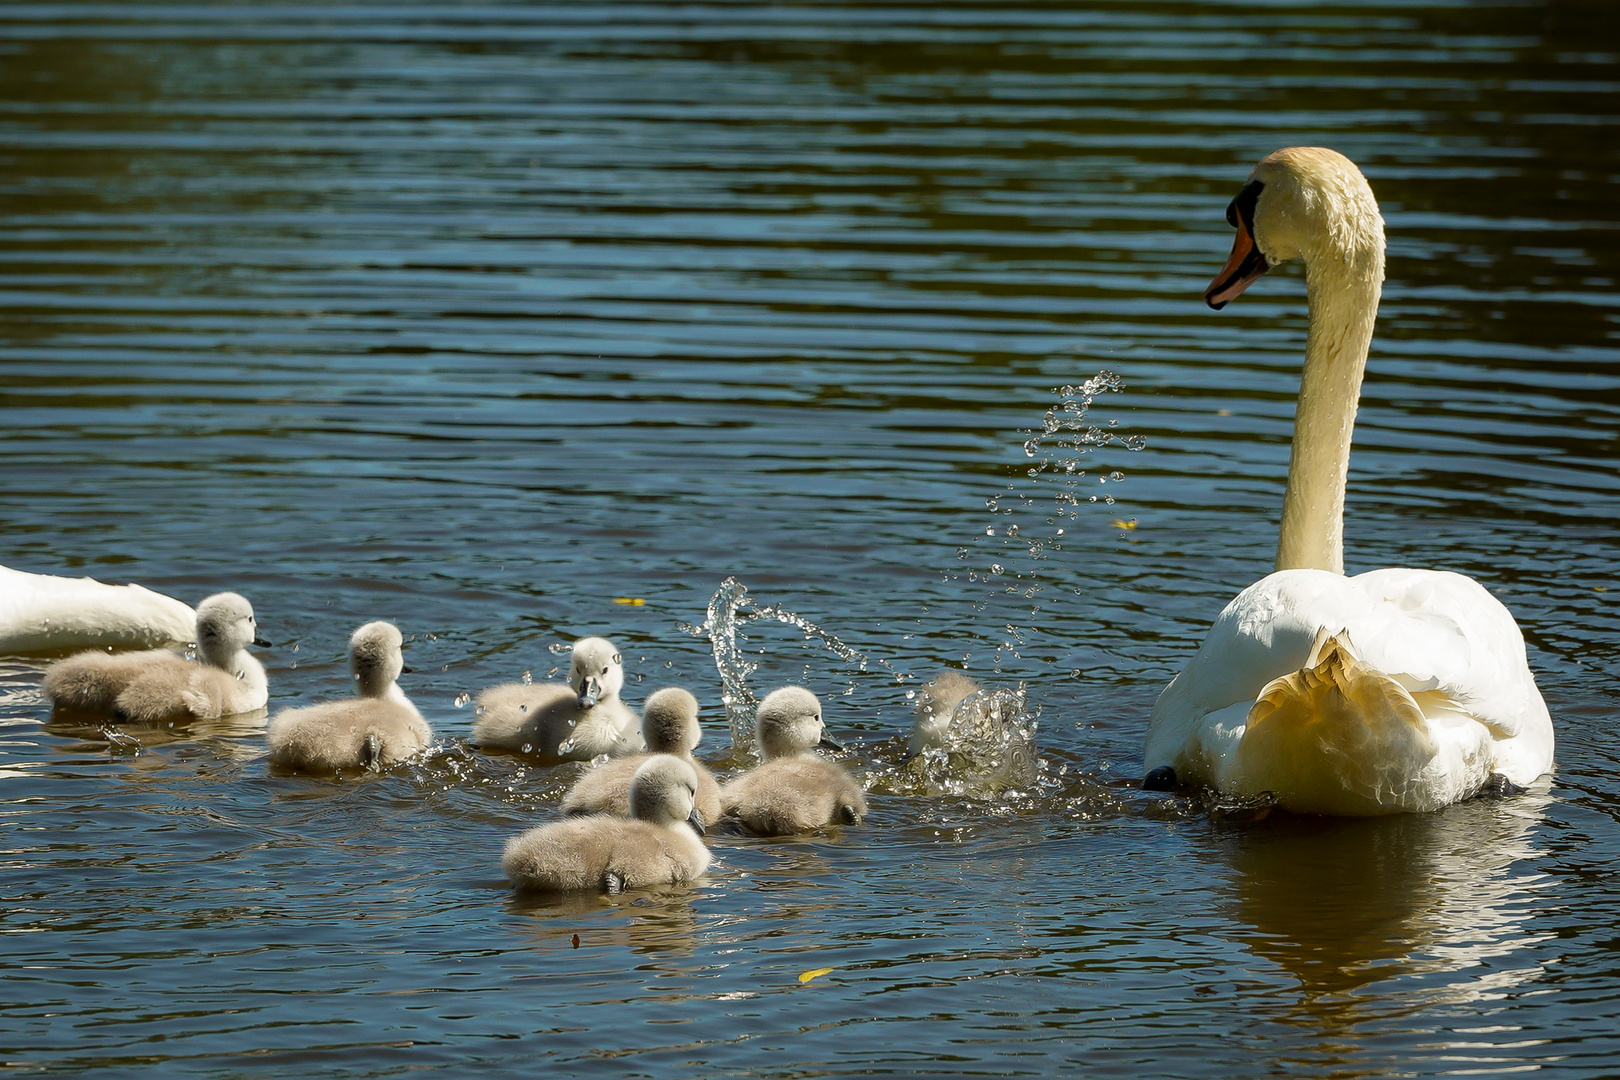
(1342, 296)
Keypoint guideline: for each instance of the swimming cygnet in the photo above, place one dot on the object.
(658, 845)
(669, 725)
(794, 791)
(573, 722)
(157, 685)
(378, 729)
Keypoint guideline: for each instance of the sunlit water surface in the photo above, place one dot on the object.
(483, 318)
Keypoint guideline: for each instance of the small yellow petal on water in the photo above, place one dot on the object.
(1131, 524)
(635, 600)
(814, 973)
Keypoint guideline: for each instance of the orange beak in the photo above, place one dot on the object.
(1245, 265)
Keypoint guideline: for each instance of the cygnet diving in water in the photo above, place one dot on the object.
(657, 845)
(967, 740)
(794, 791)
(669, 725)
(573, 722)
(155, 686)
(378, 729)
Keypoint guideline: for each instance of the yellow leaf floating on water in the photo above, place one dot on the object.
(1131, 524)
(815, 973)
(634, 600)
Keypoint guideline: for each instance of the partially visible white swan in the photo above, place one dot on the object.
(44, 614)
(1395, 690)
(794, 790)
(658, 845)
(158, 685)
(669, 725)
(378, 729)
(573, 722)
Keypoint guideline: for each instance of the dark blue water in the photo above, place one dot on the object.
(481, 318)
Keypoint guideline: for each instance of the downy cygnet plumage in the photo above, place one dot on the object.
(378, 729)
(669, 725)
(157, 685)
(658, 845)
(794, 791)
(574, 722)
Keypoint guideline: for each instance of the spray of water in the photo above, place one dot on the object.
(731, 608)
(1009, 559)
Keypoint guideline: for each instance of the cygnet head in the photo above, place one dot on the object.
(1304, 202)
(789, 721)
(664, 792)
(225, 626)
(595, 672)
(375, 658)
(669, 722)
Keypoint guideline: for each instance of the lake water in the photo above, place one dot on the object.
(481, 318)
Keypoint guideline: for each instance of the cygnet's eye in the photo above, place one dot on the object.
(604, 669)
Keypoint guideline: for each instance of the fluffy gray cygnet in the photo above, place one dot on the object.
(157, 685)
(794, 791)
(378, 729)
(936, 707)
(574, 722)
(669, 725)
(658, 845)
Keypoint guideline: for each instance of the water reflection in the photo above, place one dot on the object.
(1446, 899)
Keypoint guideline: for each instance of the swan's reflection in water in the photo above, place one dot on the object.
(1442, 902)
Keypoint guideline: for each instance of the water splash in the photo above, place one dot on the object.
(970, 741)
(730, 609)
(1032, 517)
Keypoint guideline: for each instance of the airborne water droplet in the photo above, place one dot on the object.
(462, 699)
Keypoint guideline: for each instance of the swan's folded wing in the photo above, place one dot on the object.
(1435, 630)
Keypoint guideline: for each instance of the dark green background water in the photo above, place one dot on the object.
(477, 317)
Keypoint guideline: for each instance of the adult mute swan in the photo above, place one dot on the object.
(1395, 690)
(40, 613)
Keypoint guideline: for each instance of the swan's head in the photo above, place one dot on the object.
(595, 672)
(1305, 202)
(225, 626)
(669, 722)
(789, 721)
(664, 792)
(375, 658)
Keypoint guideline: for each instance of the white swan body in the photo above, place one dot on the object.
(376, 730)
(44, 614)
(1395, 690)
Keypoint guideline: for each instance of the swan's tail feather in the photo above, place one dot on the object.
(1337, 737)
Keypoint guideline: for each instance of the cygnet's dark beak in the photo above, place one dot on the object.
(405, 669)
(829, 743)
(591, 692)
(695, 819)
(258, 639)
